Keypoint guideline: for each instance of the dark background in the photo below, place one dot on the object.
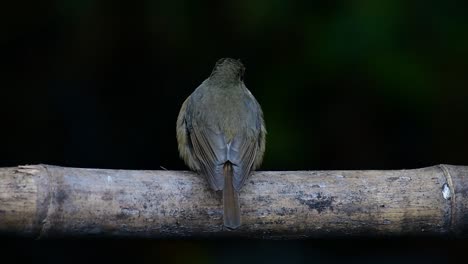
(343, 85)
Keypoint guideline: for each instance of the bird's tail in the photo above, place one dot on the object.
(230, 199)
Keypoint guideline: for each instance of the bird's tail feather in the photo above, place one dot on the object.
(230, 199)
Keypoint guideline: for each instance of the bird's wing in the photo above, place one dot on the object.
(183, 137)
(242, 153)
(210, 149)
(247, 148)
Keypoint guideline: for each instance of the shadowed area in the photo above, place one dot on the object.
(343, 85)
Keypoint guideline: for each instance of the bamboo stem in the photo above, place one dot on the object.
(49, 201)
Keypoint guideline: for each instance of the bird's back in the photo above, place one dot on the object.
(229, 123)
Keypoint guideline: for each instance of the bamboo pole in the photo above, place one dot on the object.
(48, 201)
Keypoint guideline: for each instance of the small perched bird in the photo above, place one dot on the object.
(221, 134)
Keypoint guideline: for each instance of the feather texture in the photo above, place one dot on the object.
(221, 123)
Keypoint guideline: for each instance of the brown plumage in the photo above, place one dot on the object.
(221, 134)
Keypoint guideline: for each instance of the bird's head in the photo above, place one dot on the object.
(228, 69)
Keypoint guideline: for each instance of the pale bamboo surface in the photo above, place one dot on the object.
(44, 201)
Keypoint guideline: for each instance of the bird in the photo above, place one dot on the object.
(221, 134)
